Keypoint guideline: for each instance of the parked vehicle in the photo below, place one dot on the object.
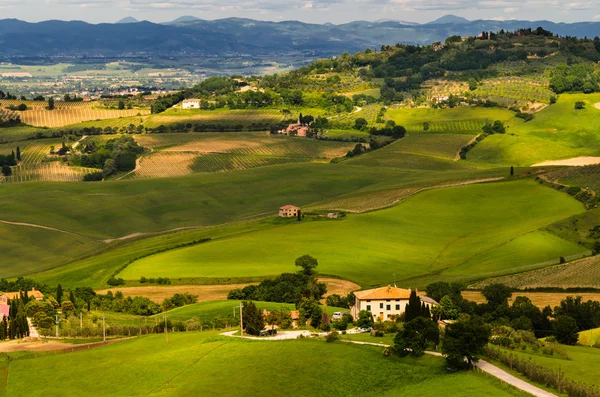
(364, 330)
(268, 332)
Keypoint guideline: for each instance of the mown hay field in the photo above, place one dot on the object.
(583, 273)
(228, 366)
(181, 154)
(454, 233)
(540, 299)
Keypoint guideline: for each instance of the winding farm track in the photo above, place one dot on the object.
(25, 224)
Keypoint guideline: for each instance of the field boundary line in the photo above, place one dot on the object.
(25, 224)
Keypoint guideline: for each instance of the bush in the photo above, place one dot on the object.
(93, 177)
(579, 105)
(332, 337)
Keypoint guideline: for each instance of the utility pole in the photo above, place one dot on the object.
(166, 330)
(103, 327)
(81, 320)
(241, 322)
(56, 322)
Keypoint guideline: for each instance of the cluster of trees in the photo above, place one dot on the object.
(286, 288)
(16, 325)
(115, 155)
(11, 121)
(165, 102)
(391, 129)
(7, 161)
(179, 300)
(578, 77)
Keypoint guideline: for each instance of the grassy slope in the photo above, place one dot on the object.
(98, 209)
(557, 132)
(590, 337)
(196, 363)
(582, 362)
(31, 250)
(458, 232)
(212, 309)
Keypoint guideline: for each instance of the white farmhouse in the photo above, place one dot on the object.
(385, 302)
(191, 103)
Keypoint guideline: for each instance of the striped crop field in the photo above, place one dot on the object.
(53, 171)
(452, 127)
(245, 117)
(67, 113)
(216, 162)
(32, 152)
(18, 133)
(515, 90)
(180, 154)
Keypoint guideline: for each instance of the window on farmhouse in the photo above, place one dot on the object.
(397, 307)
(388, 307)
(381, 305)
(368, 307)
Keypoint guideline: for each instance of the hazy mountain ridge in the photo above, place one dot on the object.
(191, 36)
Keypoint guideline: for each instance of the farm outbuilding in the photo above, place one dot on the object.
(288, 211)
(191, 103)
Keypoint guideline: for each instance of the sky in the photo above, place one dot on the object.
(314, 11)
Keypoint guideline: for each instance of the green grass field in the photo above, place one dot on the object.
(455, 233)
(581, 362)
(202, 363)
(557, 132)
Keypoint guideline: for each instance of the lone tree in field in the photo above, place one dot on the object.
(18, 153)
(308, 264)
(512, 171)
(121, 105)
(51, 103)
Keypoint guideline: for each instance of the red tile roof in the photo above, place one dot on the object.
(384, 293)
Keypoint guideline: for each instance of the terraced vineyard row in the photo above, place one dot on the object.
(42, 105)
(231, 162)
(513, 90)
(32, 152)
(584, 177)
(216, 117)
(347, 120)
(453, 127)
(64, 117)
(50, 172)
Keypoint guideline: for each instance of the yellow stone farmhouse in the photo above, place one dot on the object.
(288, 211)
(386, 302)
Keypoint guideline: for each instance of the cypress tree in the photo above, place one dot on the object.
(59, 294)
(18, 153)
(413, 308)
(512, 170)
(72, 298)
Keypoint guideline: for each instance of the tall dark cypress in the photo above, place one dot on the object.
(59, 294)
(18, 153)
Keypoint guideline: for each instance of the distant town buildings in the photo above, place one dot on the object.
(8, 296)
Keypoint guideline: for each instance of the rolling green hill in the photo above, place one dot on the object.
(557, 132)
(456, 233)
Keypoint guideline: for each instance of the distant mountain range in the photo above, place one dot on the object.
(190, 36)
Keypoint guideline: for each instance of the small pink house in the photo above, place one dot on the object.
(4, 311)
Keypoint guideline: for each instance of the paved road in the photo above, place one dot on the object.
(482, 365)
